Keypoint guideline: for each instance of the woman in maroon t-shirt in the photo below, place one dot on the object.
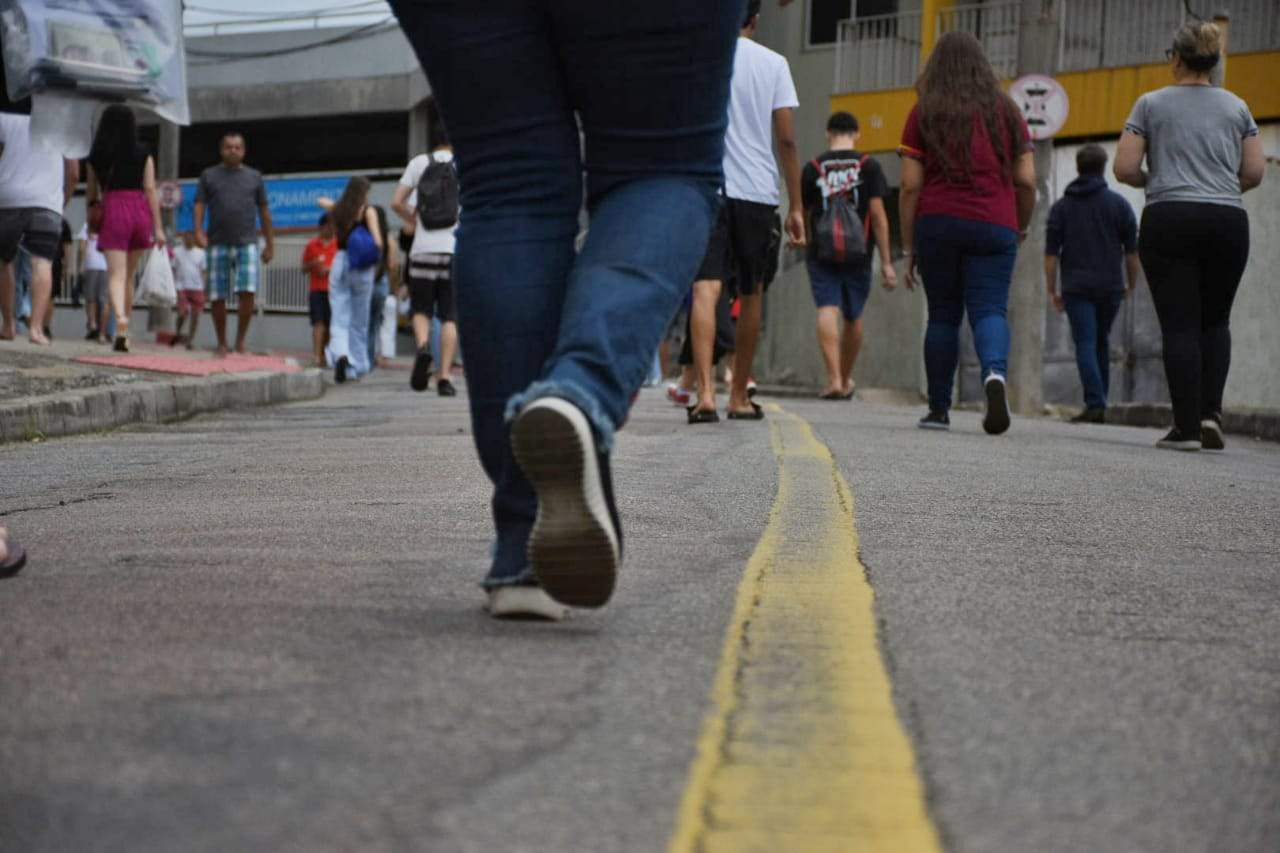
(968, 189)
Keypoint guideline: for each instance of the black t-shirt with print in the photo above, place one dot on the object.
(842, 172)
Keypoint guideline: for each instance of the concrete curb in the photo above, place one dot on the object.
(1253, 423)
(99, 409)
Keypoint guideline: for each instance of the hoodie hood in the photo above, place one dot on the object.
(1086, 185)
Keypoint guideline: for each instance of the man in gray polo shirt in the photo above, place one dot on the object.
(235, 198)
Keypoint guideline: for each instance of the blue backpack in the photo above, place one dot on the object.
(362, 252)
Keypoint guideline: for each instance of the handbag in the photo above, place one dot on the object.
(362, 252)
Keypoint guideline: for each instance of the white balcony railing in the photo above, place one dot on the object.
(994, 24)
(878, 52)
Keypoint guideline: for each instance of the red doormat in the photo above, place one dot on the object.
(202, 364)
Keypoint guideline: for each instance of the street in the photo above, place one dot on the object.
(261, 630)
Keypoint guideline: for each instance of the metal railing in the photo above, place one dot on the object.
(878, 52)
(994, 24)
(1255, 25)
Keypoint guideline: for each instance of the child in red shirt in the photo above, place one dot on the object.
(317, 258)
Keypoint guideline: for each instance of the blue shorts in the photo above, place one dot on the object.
(227, 264)
(843, 287)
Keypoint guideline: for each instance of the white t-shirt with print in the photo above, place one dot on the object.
(440, 241)
(29, 177)
(94, 261)
(761, 84)
(188, 267)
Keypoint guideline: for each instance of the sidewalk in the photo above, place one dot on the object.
(78, 386)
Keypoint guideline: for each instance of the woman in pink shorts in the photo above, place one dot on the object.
(124, 174)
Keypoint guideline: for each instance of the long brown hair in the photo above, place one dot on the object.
(957, 85)
(346, 213)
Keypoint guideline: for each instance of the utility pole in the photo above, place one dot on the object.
(166, 170)
(1037, 54)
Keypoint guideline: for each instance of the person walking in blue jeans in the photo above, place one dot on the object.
(360, 247)
(1092, 238)
(557, 342)
(968, 190)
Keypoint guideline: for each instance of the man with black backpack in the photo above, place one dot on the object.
(427, 201)
(844, 192)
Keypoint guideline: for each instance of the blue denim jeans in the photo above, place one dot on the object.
(350, 293)
(966, 266)
(377, 306)
(1091, 316)
(650, 84)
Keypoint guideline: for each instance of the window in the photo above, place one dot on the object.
(824, 17)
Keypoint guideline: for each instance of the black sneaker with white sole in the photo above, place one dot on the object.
(1211, 435)
(1176, 440)
(576, 545)
(420, 376)
(997, 418)
(935, 420)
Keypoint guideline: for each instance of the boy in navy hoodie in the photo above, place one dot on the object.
(1092, 238)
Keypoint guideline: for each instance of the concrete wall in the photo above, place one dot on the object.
(1254, 381)
(891, 357)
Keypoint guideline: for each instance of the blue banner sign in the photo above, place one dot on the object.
(292, 201)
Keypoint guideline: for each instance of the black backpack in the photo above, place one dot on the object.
(438, 195)
(839, 236)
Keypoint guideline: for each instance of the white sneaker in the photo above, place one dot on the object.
(997, 418)
(524, 602)
(574, 548)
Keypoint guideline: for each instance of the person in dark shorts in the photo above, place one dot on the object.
(762, 100)
(429, 275)
(1202, 152)
(35, 186)
(840, 290)
(317, 260)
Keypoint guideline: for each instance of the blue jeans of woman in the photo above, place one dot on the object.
(350, 292)
(1091, 316)
(649, 85)
(966, 266)
(377, 305)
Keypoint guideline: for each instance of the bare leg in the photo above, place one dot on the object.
(195, 323)
(41, 299)
(745, 350)
(91, 316)
(422, 331)
(120, 287)
(319, 337)
(8, 299)
(702, 327)
(850, 346)
(220, 325)
(448, 347)
(245, 312)
(688, 379)
(829, 342)
(104, 318)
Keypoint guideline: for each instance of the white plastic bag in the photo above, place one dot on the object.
(155, 286)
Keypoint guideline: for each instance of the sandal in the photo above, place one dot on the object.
(832, 395)
(703, 416)
(756, 414)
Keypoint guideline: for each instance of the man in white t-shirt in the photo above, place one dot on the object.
(93, 279)
(429, 273)
(35, 186)
(761, 102)
(190, 270)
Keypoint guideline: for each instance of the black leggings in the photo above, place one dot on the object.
(1194, 255)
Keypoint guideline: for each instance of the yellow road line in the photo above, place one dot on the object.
(802, 749)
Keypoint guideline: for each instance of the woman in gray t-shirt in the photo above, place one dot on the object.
(1202, 152)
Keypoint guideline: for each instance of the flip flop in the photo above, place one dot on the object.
(756, 414)
(703, 416)
(15, 561)
(832, 395)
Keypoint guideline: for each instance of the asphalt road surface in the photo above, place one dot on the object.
(261, 631)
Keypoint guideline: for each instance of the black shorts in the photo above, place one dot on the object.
(318, 303)
(743, 249)
(37, 230)
(430, 279)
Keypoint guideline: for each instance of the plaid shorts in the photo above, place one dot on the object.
(228, 262)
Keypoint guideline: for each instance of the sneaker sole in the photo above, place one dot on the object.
(935, 427)
(573, 548)
(1211, 437)
(997, 418)
(524, 602)
(1185, 446)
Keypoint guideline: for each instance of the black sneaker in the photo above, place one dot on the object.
(997, 418)
(1211, 435)
(340, 370)
(575, 546)
(91, 335)
(1091, 416)
(445, 388)
(121, 344)
(935, 420)
(420, 378)
(1177, 440)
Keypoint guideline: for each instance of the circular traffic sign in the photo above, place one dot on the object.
(1043, 102)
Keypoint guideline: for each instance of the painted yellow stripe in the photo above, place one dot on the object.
(802, 749)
